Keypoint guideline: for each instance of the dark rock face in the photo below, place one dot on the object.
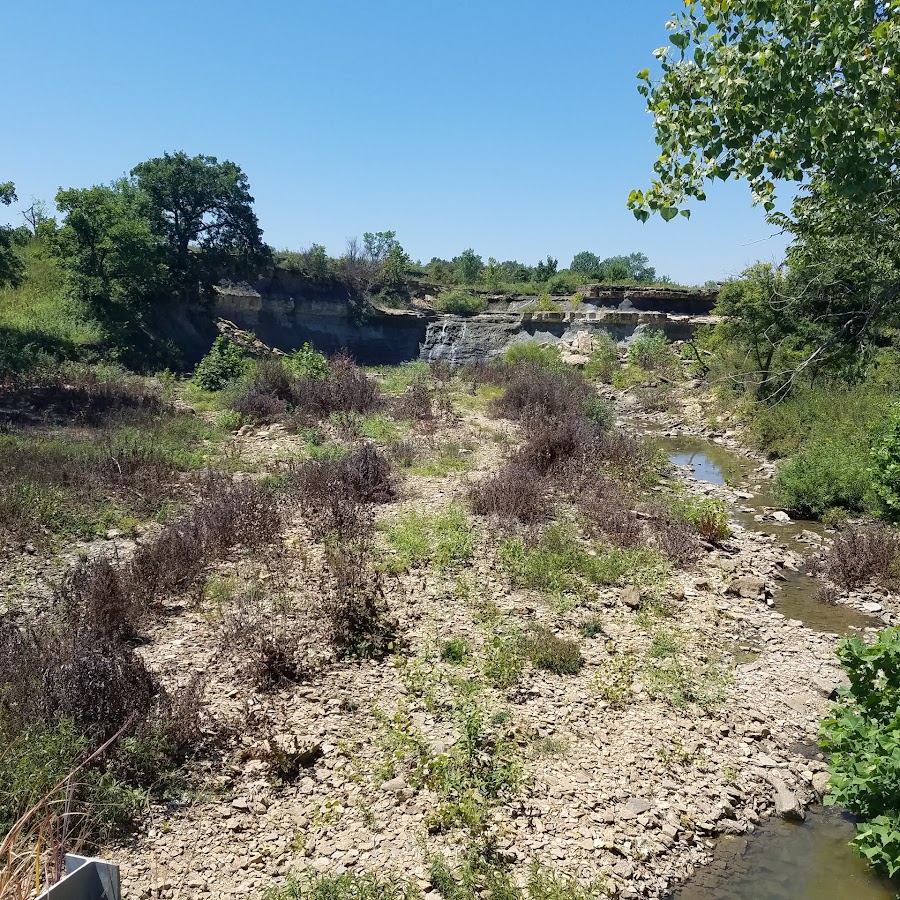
(464, 339)
(287, 310)
(286, 314)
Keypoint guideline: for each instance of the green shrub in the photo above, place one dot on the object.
(504, 661)
(707, 516)
(591, 628)
(307, 362)
(651, 351)
(560, 564)
(552, 653)
(455, 650)
(886, 468)
(530, 353)
(861, 734)
(604, 359)
(350, 886)
(460, 303)
(544, 303)
(229, 420)
(223, 365)
(598, 412)
(824, 475)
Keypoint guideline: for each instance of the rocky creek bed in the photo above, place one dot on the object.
(618, 786)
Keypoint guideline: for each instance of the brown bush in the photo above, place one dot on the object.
(415, 403)
(513, 492)
(265, 631)
(354, 601)
(332, 493)
(108, 600)
(347, 389)
(608, 511)
(273, 390)
(551, 441)
(534, 392)
(678, 540)
(861, 553)
(226, 515)
(54, 669)
(78, 395)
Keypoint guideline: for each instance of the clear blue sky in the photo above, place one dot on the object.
(511, 127)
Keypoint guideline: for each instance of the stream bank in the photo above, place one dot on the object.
(789, 856)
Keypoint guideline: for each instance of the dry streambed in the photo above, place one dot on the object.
(609, 774)
(611, 733)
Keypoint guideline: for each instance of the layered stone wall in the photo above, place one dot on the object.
(285, 311)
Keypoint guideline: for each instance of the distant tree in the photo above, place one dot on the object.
(318, 262)
(440, 270)
(545, 269)
(36, 215)
(10, 264)
(492, 273)
(394, 268)
(467, 266)
(202, 212)
(585, 263)
(515, 271)
(114, 260)
(633, 267)
(378, 245)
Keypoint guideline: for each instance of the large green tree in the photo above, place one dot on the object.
(107, 246)
(771, 90)
(202, 211)
(10, 264)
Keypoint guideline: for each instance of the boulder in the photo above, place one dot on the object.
(751, 587)
(631, 596)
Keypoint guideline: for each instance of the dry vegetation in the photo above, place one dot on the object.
(193, 651)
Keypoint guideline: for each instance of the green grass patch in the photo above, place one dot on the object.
(444, 540)
(445, 459)
(561, 564)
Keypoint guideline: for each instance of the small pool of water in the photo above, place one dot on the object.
(785, 861)
(707, 461)
(796, 599)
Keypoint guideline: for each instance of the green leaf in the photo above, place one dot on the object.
(668, 213)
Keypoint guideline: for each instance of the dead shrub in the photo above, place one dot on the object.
(403, 453)
(332, 492)
(861, 553)
(678, 540)
(109, 600)
(554, 440)
(227, 514)
(264, 630)
(354, 601)
(534, 392)
(415, 403)
(608, 511)
(346, 389)
(511, 493)
(78, 395)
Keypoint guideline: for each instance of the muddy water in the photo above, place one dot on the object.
(710, 463)
(782, 860)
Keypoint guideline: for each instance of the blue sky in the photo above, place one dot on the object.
(511, 127)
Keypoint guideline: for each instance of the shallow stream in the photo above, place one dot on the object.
(781, 860)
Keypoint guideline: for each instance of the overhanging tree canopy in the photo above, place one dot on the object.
(769, 90)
